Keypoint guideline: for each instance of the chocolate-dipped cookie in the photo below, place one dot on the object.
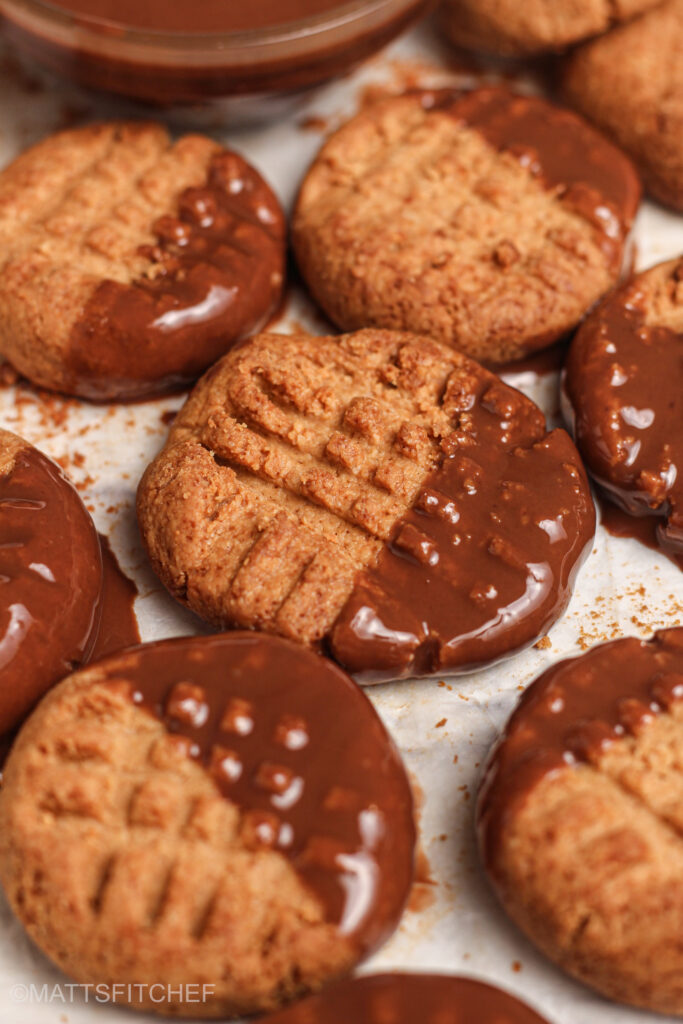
(624, 391)
(226, 812)
(50, 578)
(488, 220)
(581, 815)
(407, 999)
(129, 263)
(378, 494)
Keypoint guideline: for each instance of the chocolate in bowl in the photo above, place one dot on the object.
(192, 57)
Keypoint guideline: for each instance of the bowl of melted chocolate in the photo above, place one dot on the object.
(172, 52)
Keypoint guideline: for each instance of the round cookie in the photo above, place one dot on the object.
(514, 29)
(630, 83)
(377, 493)
(224, 815)
(129, 263)
(50, 578)
(407, 999)
(580, 818)
(624, 388)
(487, 220)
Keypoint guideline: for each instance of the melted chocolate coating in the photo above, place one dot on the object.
(485, 560)
(50, 581)
(624, 384)
(219, 274)
(209, 16)
(118, 626)
(409, 999)
(589, 174)
(294, 743)
(570, 714)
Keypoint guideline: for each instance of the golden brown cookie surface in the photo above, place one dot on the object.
(129, 262)
(580, 818)
(378, 493)
(514, 29)
(223, 811)
(490, 221)
(630, 84)
(624, 385)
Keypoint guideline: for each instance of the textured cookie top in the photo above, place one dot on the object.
(377, 492)
(129, 262)
(630, 83)
(227, 809)
(488, 220)
(535, 26)
(581, 817)
(624, 383)
(408, 998)
(50, 577)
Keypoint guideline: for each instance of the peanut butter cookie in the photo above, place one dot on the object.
(581, 817)
(219, 815)
(50, 578)
(490, 221)
(624, 385)
(515, 29)
(128, 262)
(630, 83)
(377, 493)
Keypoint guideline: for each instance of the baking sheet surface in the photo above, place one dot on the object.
(443, 728)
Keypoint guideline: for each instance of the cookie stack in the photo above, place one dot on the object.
(228, 813)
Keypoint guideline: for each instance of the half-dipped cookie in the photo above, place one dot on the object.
(624, 389)
(50, 578)
(407, 999)
(488, 220)
(220, 815)
(581, 815)
(129, 263)
(378, 494)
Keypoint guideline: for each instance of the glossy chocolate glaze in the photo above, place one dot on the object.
(485, 560)
(624, 387)
(293, 742)
(409, 999)
(207, 16)
(118, 626)
(218, 276)
(50, 581)
(590, 175)
(570, 714)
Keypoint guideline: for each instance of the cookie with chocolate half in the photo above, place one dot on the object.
(50, 578)
(515, 29)
(581, 815)
(488, 220)
(129, 262)
(624, 391)
(630, 84)
(378, 494)
(224, 815)
(407, 999)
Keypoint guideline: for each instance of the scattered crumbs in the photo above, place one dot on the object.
(544, 644)
(465, 790)
(463, 697)
(520, 687)
(455, 758)
(444, 684)
(516, 966)
(314, 123)
(440, 725)
(443, 837)
(466, 956)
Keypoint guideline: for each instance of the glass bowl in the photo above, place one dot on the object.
(171, 68)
